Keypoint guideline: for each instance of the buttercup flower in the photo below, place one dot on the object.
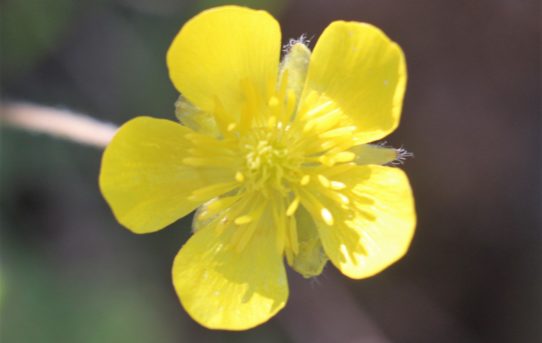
(276, 158)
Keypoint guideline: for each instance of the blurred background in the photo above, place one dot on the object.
(472, 117)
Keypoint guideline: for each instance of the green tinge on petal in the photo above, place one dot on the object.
(191, 116)
(373, 154)
(311, 258)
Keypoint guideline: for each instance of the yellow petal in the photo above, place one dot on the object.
(381, 231)
(311, 258)
(224, 289)
(363, 72)
(142, 176)
(219, 51)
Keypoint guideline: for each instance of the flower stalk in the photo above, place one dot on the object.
(59, 123)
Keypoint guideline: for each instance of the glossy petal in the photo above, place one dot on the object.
(142, 176)
(220, 51)
(381, 231)
(363, 72)
(222, 288)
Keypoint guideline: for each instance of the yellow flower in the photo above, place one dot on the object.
(276, 158)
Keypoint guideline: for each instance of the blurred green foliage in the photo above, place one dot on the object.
(29, 30)
(45, 306)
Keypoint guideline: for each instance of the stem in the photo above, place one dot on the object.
(59, 123)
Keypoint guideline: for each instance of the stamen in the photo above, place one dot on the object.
(324, 181)
(327, 145)
(337, 185)
(242, 236)
(221, 204)
(345, 156)
(309, 126)
(305, 180)
(319, 108)
(327, 160)
(231, 127)
(326, 216)
(331, 159)
(273, 101)
(327, 121)
(239, 177)
(344, 199)
(243, 220)
(293, 206)
(338, 197)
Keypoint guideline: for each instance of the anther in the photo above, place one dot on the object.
(242, 220)
(309, 126)
(326, 216)
(239, 177)
(319, 108)
(337, 185)
(328, 161)
(273, 101)
(344, 199)
(324, 181)
(231, 127)
(293, 207)
(345, 156)
(305, 180)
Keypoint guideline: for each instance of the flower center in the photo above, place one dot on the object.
(264, 155)
(269, 162)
